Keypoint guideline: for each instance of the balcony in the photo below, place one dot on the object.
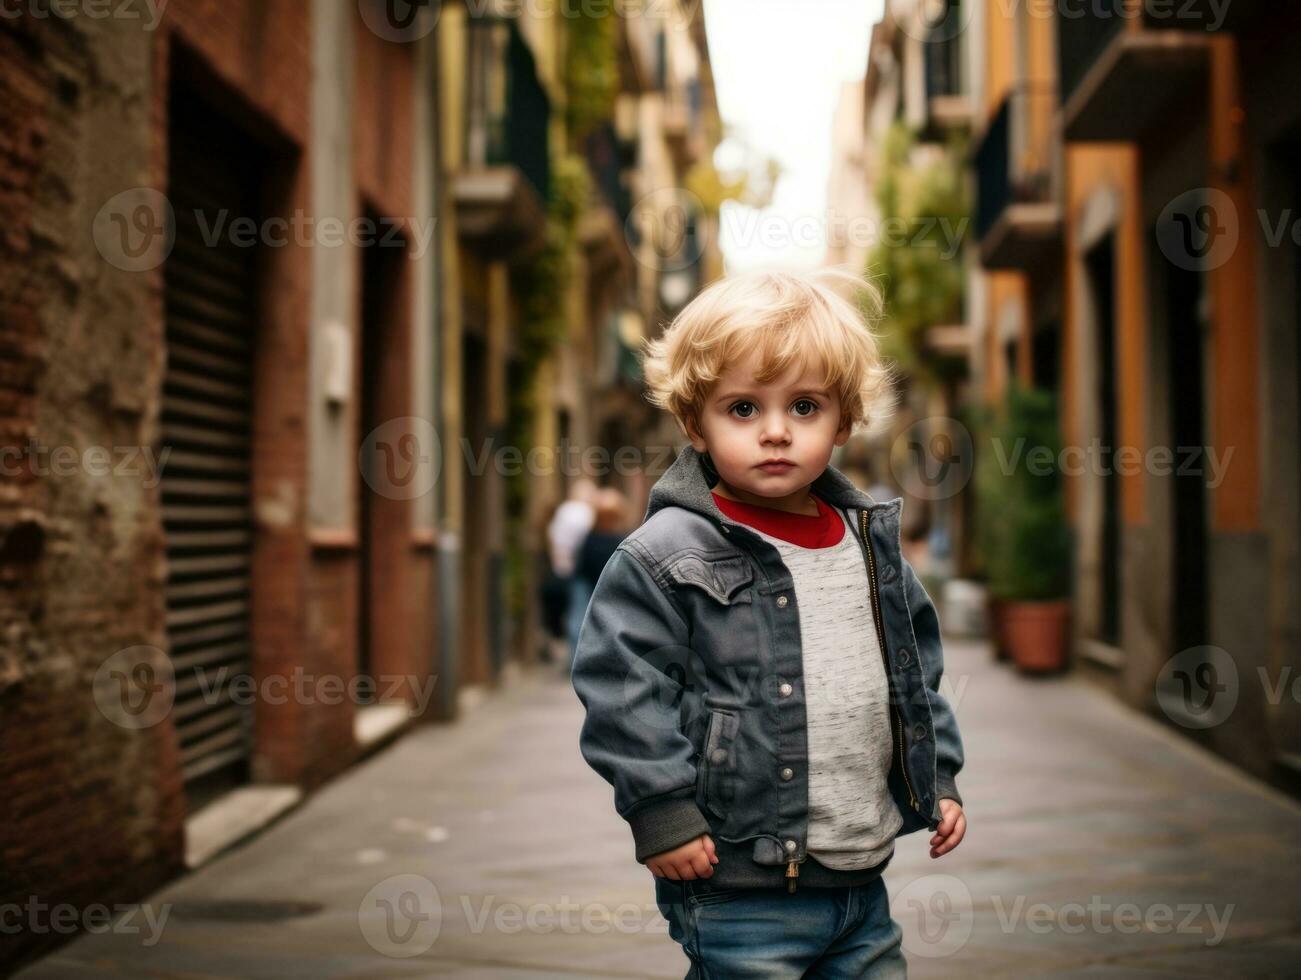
(602, 227)
(947, 105)
(502, 188)
(1121, 72)
(681, 122)
(1018, 214)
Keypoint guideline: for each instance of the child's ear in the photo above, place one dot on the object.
(842, 434)
(692, 433)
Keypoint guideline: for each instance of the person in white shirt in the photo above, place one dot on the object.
(569, 525)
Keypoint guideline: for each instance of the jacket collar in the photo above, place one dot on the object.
(689, 480)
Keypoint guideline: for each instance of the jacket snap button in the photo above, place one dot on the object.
(791, 845)
(919, 730)
(788, 773)
(786, 690)
(781, 601)
(718, 755)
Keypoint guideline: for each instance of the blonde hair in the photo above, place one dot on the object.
(790, 318)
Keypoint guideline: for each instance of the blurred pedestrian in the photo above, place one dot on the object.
(568, 527)
(611, 526)
(553, 593)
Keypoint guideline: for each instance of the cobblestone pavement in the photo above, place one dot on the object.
(1100, 843)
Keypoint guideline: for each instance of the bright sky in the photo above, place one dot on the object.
(778, 66)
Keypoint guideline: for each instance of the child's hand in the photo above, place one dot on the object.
(694, 859)
(953, 825)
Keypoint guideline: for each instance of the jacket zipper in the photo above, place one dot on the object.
(863, 521)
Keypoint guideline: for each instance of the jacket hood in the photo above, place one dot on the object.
(689, 480)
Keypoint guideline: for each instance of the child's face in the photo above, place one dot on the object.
(744, 423)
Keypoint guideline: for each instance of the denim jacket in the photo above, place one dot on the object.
(690, 669)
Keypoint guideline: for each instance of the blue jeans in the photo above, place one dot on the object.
(771, 934)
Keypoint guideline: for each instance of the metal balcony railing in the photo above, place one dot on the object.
(1082, 38)
(944, 53)
(608, 159)
(1016, 159)
(507, 109)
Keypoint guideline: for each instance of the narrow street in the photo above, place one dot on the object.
(1099, 844)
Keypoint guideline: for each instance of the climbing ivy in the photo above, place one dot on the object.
(540, 287)
(591, 69)
(918, 259)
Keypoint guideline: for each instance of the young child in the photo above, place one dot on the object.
(759, 665)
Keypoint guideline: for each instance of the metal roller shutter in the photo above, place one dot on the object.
(206, 423)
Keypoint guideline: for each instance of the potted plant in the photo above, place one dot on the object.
(990, 493)
(1030, 567)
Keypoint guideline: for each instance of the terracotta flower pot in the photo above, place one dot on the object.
(996, 614)
(1038, 634)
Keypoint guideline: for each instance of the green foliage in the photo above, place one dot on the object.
(1023, 532)
(540, 287)
(591, 69)
(918, 258)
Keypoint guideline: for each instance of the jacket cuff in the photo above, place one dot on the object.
(663, 826)
(946, 788)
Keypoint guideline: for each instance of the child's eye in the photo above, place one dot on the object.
(812, 406)
(742, 405)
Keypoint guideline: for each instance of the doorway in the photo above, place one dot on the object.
(1100, 266)
(211, 325)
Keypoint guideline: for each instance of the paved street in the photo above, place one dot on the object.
(1076, 806)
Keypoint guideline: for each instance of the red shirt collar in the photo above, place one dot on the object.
(804, 530)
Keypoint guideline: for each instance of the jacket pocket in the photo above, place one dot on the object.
(716, 780)
(725, 580)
